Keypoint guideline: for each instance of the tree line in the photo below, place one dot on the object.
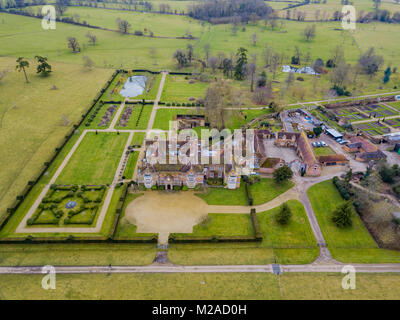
(222, 11)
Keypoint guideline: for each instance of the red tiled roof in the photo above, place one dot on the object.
(332, 158)
(365, 144)
(306, 150)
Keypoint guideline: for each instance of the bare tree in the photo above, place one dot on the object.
(206, 48)
(88, 63)
(309, 32)
(251, 69)
(219, 95)
(3, 74)
(123, 25)
(213, 63)
(340, 75)
(73, 44)
(274, 64)
(92, 38)
(254, 39)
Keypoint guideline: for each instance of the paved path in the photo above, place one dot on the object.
(155, 106)
(157, 268)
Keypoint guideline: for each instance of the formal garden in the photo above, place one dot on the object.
(69, 205)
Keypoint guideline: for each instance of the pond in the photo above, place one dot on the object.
(134, 86)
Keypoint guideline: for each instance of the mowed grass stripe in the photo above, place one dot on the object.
(96, 159)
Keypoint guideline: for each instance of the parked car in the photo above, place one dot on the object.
(319, 144)
(343, 142)
(323, 143)
(314, 144)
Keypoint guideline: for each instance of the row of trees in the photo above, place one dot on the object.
(221, 11)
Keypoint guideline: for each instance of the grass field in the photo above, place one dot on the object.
(146, 23)
(199, 286)
(32, 118)
(224, 224)
(96, 159)
(115, 50)
(24, 36)
(353, 244)
(77, 254)
(178, 89)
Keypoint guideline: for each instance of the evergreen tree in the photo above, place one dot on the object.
(387, 74)
(241, 61)
(283, 215)
(43, 67)
(283, 174)
(342, 215)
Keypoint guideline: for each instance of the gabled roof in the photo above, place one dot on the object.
(372, 155)
(332, 158)
(365, 144)
(306, 150)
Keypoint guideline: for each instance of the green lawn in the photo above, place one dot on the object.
(353, 244)
(296, 234)
(178, 89)
(131, 164)
(164, 116)
(138, 138)
(267, 189)
(223, 196)
(263, 191)
(238, 119)
(96, 159)
(222, 224)
(323, 151)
